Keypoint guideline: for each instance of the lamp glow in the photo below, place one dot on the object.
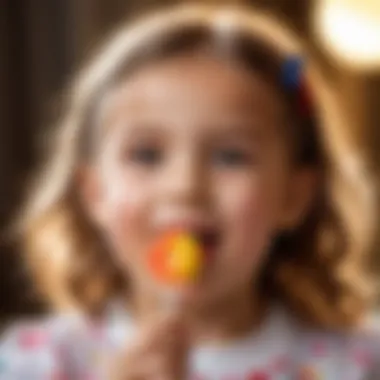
(350, 30)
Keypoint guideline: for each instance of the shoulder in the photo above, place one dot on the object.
(60, 347)
(31, 349)
(356, 353)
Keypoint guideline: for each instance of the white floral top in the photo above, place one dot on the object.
(73, 348)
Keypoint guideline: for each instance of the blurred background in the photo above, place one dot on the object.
(43, 42)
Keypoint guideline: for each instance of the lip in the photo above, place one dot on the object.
(206, 233)
(190, 226)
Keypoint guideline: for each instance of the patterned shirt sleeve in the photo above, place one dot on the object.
(60, 348)
(27, 352)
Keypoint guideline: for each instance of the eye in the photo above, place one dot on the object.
(148, 155)
(231, 156)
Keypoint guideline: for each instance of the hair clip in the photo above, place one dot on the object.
(292, 72)
(294, 81)
(304, 99)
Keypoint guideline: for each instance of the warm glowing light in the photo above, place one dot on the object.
(350, 30)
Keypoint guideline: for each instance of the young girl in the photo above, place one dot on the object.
(201, 117)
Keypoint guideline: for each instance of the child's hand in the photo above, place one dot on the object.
(158, 353)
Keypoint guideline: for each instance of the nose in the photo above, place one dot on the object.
(184, 180)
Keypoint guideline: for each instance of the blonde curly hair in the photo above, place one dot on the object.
(319, 270)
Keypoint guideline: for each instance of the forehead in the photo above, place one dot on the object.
(190, 87)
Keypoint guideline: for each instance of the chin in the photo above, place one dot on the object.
(203, 298)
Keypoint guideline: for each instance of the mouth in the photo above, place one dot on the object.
(208, 236)
(210, 241)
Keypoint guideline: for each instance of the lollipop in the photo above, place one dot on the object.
(176, 259)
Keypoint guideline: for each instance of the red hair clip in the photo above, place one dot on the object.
(294, 81)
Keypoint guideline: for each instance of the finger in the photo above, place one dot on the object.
(163, 333)
(162, 367)
(168, 362)
(126, 367)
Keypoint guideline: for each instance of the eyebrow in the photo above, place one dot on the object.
(139, 127)
(225, 128)
(238, 128)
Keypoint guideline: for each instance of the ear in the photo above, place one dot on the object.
(90, 192)
(300, 194)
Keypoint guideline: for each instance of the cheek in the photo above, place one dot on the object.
(122, 199)
(125, 206)
(247, 202)
(249, 211)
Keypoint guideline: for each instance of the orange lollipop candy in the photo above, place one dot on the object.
(176, 259)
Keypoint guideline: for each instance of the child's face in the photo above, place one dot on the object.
(197, 143)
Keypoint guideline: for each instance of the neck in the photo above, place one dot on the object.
(228, 319)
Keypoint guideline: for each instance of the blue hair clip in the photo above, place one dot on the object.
(292, 71)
